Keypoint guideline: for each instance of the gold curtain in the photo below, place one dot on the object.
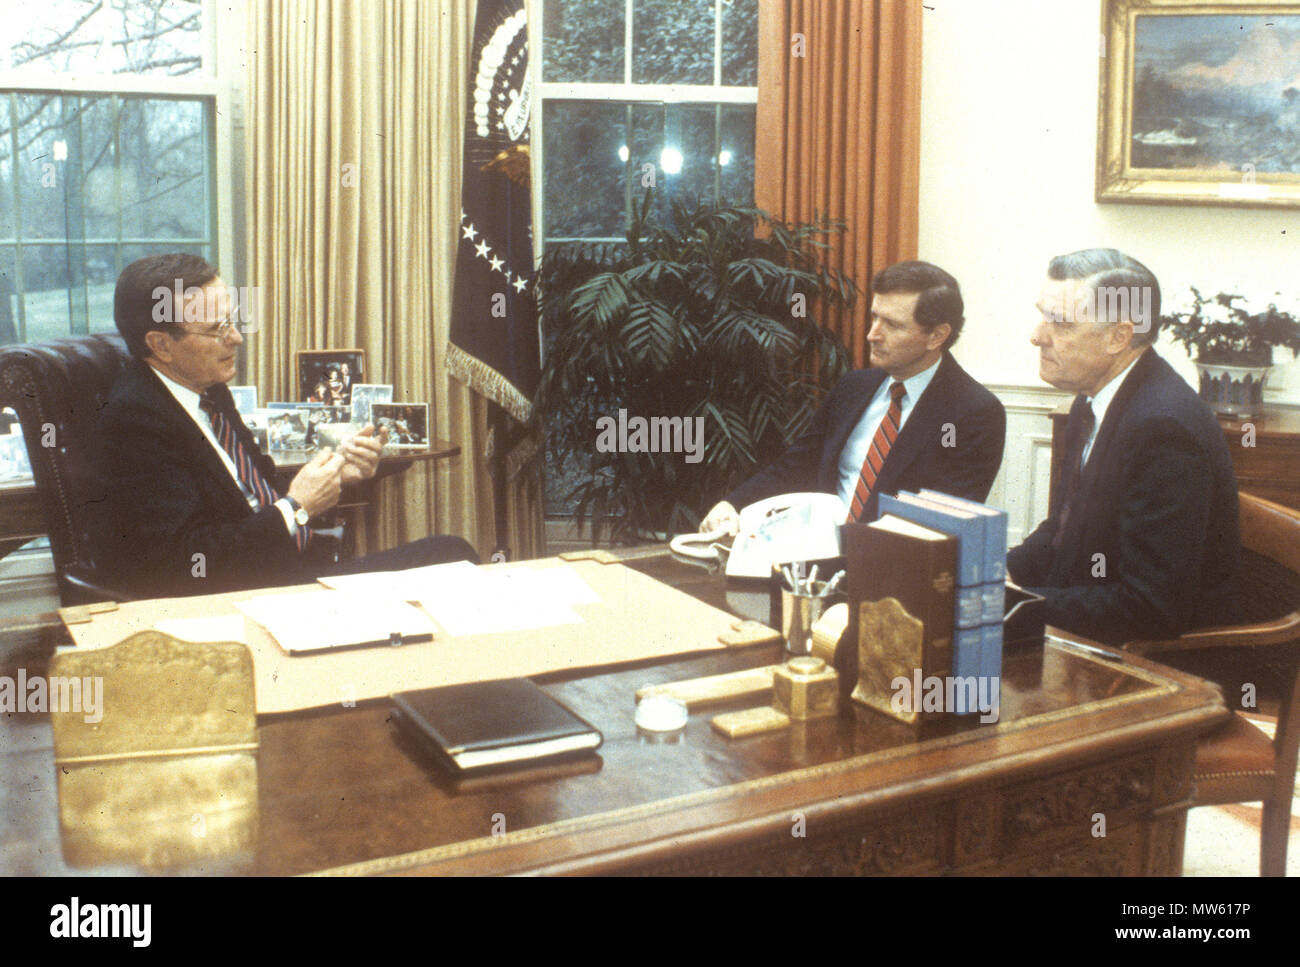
(838, 131)
(355, 120)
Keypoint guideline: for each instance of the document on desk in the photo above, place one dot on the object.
(304, 622)
(490, 601)
(403, 585)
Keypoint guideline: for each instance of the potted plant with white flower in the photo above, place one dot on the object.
(1231, 339)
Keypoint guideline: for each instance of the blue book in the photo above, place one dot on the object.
(995, 532)
(964, 525)
(994, 597)
(991, 653)
(966, 651)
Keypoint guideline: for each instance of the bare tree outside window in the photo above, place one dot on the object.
(90, 181)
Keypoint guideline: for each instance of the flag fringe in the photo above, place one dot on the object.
(486, 381)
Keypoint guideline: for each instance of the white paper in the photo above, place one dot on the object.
(405, 585)
(490, 601)
(311, 620)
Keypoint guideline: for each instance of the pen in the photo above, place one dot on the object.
(812, 577)
(1099, 652)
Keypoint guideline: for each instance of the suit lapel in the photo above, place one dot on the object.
(1100, 460)
(199, 450)
(923, 422)
(846, 420)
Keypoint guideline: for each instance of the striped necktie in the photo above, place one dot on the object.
(885, 436)
(247, 470)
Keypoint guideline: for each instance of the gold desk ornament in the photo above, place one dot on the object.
(750, 721)
(806, 688)
(827, 631)
(164, 776)
(889, 647)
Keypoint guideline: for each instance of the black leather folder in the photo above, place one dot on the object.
(492, 725)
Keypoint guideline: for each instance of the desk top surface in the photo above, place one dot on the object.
(340, 790)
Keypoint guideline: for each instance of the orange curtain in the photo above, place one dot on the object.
(838, 132)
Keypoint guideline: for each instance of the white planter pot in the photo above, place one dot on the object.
(1235, 391)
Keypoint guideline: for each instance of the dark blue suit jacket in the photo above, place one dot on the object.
(169, 497)
(1158, 501)
(918, 457)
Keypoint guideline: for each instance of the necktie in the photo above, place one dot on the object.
(247, 470)
(885, 436)
(1087, 419)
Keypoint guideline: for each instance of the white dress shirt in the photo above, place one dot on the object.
(189, 401)
(856, 446)
(1100, 403)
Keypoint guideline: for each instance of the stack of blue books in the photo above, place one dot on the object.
(981, 533)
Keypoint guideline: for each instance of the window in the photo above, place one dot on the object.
(626, 84)
(107, 153)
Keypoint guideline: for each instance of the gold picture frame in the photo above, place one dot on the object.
(1213, 125)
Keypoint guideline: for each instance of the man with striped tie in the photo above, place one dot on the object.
(191, 505)
(913, 419)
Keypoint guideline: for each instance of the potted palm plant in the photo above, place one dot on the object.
(1231, 340)
(704, 325)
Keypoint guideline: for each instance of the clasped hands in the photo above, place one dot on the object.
(317, 486)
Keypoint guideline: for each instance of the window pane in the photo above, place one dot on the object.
(672, 41)
(164, 169)
(740, 43)
(647, 147)
(8, 296)
(584, 171)
(583, 40)
(690, 129)
(124, 37)
(736, 154)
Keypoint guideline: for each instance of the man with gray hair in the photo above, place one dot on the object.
(1142, 540)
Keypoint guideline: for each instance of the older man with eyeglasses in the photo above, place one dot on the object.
(192, 506)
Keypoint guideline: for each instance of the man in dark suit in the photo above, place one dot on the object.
(1142, 542)
(191, 506)
(915, 419)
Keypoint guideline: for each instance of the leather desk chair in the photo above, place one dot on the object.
(1238, 762)
(58, 389)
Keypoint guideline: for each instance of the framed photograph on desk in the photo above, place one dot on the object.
(407, 424)
(326, 375)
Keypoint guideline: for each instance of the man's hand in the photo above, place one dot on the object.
(361, 455)
(723, 516)
(317, 485)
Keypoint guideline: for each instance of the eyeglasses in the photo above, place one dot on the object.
(221, 332)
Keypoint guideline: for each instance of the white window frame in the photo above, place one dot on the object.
(223, 26)
(703, 94)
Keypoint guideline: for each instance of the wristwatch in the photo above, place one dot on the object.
(300, 515)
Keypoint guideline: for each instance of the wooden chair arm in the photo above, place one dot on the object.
(1274, 632)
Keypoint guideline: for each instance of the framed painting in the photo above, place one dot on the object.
(1200, 103)
(326, 375)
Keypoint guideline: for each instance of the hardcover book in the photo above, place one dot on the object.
(897, 559)
(968, 528)
(485, 725)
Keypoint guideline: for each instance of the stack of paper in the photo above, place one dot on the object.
(309, 621)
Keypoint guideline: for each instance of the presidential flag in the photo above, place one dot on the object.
(494, 345)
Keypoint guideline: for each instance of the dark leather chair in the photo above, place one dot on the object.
(1238, 762)
(58, 389)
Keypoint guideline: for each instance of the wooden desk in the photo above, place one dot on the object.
(1079, 739)
(1270, 468)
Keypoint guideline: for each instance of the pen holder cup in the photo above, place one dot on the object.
(776, 585)
(799, 612)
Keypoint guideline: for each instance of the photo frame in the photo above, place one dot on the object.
(288, 430)
(407, 424)
(1200, 103)
(365, 394)
(326, 375)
